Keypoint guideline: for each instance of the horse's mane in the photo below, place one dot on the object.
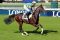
(36, 13)
(37, 8)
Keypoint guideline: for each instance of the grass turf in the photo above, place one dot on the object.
(10, 32)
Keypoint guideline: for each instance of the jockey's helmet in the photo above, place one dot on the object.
(33, 2)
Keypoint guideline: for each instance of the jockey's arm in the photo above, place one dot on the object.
(33, 7)
(26, 8)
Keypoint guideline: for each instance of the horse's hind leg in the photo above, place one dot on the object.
(20, 27)
(21, 30)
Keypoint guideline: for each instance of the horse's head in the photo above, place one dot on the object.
(41, 9)
(9, 20)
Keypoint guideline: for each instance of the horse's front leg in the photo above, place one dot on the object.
(41, 28)
(37, 27)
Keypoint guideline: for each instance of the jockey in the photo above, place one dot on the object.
(29, 11)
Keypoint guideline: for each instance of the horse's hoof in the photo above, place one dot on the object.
(41, 33)
(25, 34)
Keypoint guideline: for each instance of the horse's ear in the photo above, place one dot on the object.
(41, 5)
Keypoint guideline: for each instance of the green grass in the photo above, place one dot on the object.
(10, 32)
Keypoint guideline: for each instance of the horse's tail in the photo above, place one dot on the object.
(10, 19)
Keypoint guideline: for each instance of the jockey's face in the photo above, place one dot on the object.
(34, 4)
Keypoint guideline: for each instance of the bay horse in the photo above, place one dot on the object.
(34, 20)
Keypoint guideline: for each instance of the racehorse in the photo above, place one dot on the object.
(34, 20)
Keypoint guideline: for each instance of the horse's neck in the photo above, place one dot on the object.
(36, 12)
(36, 16)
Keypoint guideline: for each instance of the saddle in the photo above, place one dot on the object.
(28, 15)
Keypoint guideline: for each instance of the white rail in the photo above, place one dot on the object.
(21, 8)
(12, 8)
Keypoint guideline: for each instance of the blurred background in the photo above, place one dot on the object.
(18, 3)
(16, 6)
(49, 19)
